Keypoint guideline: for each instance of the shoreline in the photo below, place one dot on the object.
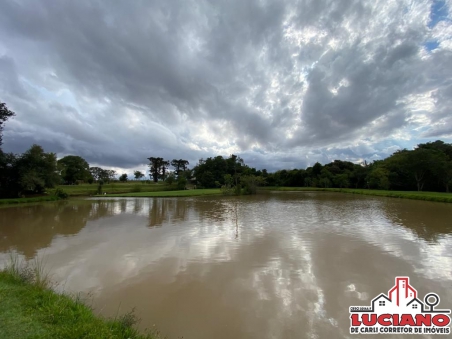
(162, 194)
(31, 309)
(165, 191)
(414, 195)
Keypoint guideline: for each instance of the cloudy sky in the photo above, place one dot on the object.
(282, 83)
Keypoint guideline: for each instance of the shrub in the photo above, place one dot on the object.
(170, 180)
(60, 193)
(181, 183)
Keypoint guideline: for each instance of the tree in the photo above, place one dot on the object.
(445, 166)
(36, 170)
(9, 177)
(158, 168)
(111, 175)
(424, 164)
(98, 173)
(325, 182)
(138, 175)
(235, 163)
(251, 182)
(5, 114)
(181, 182)
(179, 165)
(341, 180)
(123, 177)
(317, 168)
(207, 180)
(439, 145)
(378, 178)
(73, 169)
(170, 179)
(358, 175)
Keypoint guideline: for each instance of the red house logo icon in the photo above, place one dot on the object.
(400, 312)
(402, 291)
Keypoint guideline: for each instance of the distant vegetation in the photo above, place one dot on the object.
(428, 196)
(184, 193)
(426, 168)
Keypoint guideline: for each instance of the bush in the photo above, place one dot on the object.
(225, 190)
(181, 183)
(170, 180)
(60, 193)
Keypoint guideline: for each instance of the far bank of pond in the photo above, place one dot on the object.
(428, 196)
(161, 190)
(183, 193)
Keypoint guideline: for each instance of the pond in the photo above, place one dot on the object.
(276, 265)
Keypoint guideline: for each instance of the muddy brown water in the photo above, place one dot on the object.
(277, 265)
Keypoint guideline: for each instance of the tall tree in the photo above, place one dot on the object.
(138, 175)
(97, 173)
(37, 170)
(158, 168)
(179, 165)
(9, 177)
(74, 168)
(425, 164)
(111, 175)
(5, 114)
(165, 165)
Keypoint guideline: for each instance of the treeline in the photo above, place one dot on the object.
(428, 167)
(32, 172)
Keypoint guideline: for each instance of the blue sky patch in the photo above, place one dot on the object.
(439, 12)
(431, 45)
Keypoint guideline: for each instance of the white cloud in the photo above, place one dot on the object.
(119, 83)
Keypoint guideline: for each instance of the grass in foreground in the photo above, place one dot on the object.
(429, 196)
(30, 309)
(184, 193)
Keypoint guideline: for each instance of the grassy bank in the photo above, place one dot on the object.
(29, 309)
(429, 196)
(112, 188)
(86, 190)
(28, 200)
(184, 193)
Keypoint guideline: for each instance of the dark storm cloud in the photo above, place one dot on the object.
(117, 82)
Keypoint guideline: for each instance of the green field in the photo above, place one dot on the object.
(116, 187)
(429, 196)
(29, 309)
(28, 200)
(86, 190)
(184, 193)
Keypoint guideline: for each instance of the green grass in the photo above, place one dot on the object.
(184, 193)
(85, 190)
(429, 196)
(116, 187)
(30, 309)
(28, 200)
